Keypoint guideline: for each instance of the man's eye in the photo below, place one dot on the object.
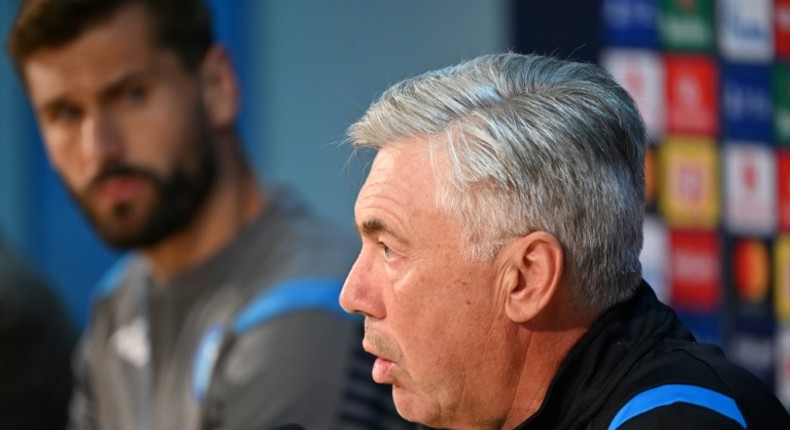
(135, 95)
(386, 250)
(66, 114)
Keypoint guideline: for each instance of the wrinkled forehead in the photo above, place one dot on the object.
(426, 154)
(402, 175)
(404, 162)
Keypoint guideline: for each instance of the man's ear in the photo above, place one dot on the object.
(534, 265)
(220, 89)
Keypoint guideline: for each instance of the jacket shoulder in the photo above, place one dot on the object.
(691, 384)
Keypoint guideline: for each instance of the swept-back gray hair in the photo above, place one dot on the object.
(533, 143)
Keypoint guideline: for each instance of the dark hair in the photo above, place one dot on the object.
(181, 25)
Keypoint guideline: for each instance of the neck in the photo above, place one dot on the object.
(546, 348)
(234, 201)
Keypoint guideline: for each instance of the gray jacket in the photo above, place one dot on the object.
(251, 339)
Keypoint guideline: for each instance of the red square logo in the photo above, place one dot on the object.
(692, 96)
(782, 29)
(783, 188)
(695, 273)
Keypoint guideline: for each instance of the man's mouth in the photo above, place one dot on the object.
(381, 371)
(118, 188)
(382, 367)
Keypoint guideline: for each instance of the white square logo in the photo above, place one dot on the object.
(641, 73)
(750, 187)
(746, 30)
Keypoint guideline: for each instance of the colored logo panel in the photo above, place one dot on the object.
(782, 274)
(690, 178)
(687, 25)
(782, 28)
(750, 186)
(706, 328)
(641, 73)
(654, 257)
(747, 102)
(750, 265)
(783, 188)
(695, 273)
(781, 98)
(783, 364)
(751, 345)
(630, 22)
(745, 30)
(651, 178)
(692, 95)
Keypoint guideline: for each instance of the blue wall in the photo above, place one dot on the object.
(37, 218)
(308, 68)
(317, 65)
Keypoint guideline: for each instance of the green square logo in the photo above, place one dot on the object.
(781, 86)
(687, 25)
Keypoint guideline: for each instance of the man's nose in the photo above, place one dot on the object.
(361, 291)
(100, 137)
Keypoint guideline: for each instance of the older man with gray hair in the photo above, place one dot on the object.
(499, 276)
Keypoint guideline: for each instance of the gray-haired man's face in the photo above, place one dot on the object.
(433, 317)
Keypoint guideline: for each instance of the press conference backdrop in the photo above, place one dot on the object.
(712, 81)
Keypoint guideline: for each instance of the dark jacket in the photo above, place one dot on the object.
(640, 367)
(36, 340)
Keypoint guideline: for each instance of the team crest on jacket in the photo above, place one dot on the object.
(131, 342)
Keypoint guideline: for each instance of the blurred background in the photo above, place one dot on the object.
(711, 78)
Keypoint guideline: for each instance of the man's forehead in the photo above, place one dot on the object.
(399, 187)
(396, 167)
(49, 81)
(403, 155)
(122, 34)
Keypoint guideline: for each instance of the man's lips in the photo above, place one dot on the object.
(119, 188)
(381, 371)
(381, 367)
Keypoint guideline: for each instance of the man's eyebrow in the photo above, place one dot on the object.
(372, 226)
(57, 103)
(117, 86)
(111, 89)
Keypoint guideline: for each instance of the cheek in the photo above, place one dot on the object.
(160, 141)
(417, 305)
(445, 319)
(460, 314)
(68, 162)
(443, 298)
(443, 357)
(438, 311)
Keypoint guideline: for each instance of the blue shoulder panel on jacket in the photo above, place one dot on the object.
(205, 359)
(665, 395)
(289, 296)
(111, 278)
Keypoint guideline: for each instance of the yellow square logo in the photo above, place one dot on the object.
(689, 171)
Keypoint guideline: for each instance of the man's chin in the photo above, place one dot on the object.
(121, 232)
(122, 240)
(414, 409)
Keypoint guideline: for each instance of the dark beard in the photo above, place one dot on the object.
(178, 198)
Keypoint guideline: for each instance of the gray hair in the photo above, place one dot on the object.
(533, 143)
